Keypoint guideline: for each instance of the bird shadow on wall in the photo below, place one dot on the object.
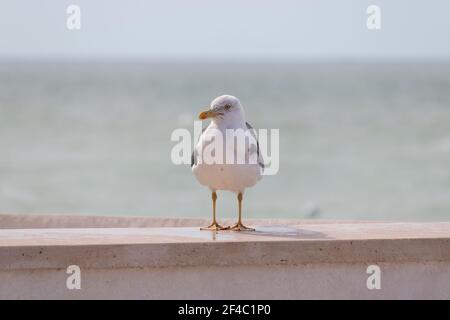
(288, 232)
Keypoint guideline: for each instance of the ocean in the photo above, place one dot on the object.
(358, 140)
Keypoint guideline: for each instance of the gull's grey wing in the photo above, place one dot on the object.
(193, 159)
(260, 159)
(194, 154)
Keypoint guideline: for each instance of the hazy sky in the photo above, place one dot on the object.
(225, 29)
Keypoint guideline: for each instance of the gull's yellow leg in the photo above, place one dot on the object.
(239, 226)
(214, 226)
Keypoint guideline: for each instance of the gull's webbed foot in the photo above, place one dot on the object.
(240, 227)
(214, 227)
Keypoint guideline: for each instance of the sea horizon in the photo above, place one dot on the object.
(358, 139)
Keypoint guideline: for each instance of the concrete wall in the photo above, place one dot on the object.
(35, 221)
(280, 260)
(322, 281)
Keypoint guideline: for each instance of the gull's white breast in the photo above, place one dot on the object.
(231, 177)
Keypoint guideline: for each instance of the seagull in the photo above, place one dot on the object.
(227, 114)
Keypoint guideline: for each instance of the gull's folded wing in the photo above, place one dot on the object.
(260, 159)
(194, 154)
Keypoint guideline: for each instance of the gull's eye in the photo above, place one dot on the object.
(227, 107)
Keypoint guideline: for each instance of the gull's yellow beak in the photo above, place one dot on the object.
(207, 114)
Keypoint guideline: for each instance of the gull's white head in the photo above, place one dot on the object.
(224, 108)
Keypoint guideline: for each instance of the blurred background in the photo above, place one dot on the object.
(364, 115)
